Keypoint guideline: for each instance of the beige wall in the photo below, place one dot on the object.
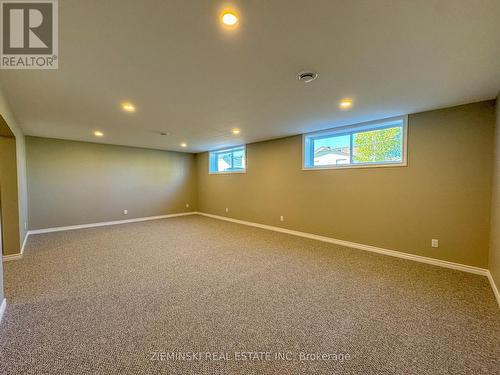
(1, 268)
(9, 196)
(443, 193)
(1, 277)
(14, 221)
(73, 183)
(21, 166)
(494, 265)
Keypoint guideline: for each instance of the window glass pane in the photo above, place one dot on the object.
(224, 161)
(238, 159)
(230, 160)
(332, 150)
(379, 145)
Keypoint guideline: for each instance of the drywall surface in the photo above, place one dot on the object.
(444, 193)
(71, 183)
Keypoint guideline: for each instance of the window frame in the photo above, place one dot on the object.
(350, 130)
(225, 149)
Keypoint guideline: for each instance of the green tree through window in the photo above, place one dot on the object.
(377, 145)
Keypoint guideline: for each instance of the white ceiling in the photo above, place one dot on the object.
(192, 78)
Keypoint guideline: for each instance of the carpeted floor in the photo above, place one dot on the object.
(117, 300)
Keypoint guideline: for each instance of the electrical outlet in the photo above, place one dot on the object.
(125, 212)
(282, 218)
(25, 225)
(227, 210)
(434, 243)
(187, 205)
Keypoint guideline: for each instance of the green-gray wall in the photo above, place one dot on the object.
(443, 193)
(495, 205)
(72, 183)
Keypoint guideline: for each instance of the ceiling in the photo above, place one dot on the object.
(195, 80)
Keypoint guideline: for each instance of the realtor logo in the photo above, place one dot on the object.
(29, 37)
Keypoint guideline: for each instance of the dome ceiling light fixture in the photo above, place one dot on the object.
(307, 76)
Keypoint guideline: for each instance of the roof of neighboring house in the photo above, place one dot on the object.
(325, 150)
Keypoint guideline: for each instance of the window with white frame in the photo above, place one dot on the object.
(230, 160)
(375, 143)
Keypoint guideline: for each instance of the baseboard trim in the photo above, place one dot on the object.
(106, 223)
(3, 306)
(379, 250)
(494, 287)
(24, 242)
(7, 258)
(374, 249)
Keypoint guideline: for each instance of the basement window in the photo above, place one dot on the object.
(379, 143)
(229, 160)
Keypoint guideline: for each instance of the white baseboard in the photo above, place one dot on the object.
(494, 287)
(398, 254)
(379, 250)
(105, 223)
(3, 306)
(7, 258)
(24, 242)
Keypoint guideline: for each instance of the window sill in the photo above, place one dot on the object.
(235, 172)
(355, 166)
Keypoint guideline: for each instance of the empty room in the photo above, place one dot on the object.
(250, 187)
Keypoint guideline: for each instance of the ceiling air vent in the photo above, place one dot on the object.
(307, 76)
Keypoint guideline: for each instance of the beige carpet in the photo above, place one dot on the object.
(103, 300)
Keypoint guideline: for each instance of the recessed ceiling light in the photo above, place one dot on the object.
(229, 18)
(183, 144)
(236, 131)
(128, 107)
(345, 103)
(97, 133)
